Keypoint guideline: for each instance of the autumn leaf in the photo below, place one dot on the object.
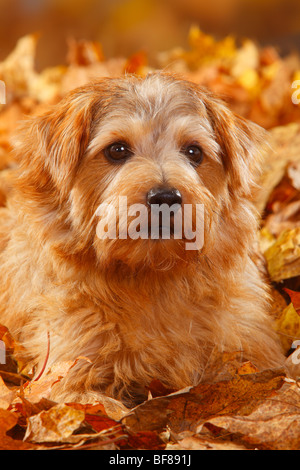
(273, 425)
(6, 395)
(157, 389)
(54, 425)
(144, 440)
(136, 63)
(95, 415)
(288, 327)
(7, 421)
(185, 411)
(295, 298)
(283, 257)
(195, 442)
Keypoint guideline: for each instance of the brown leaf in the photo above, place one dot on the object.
(186, 410)
(247, 368)
(54, 425)
(6, 395)
(144, 440)
(26, 409)
(95, 416)
(7, 421)
(274, 424)
(157, 389)
(195, 442)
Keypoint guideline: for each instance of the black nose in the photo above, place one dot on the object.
(167, 196)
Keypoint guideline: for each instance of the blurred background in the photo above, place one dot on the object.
(246, 51)
(125, 26)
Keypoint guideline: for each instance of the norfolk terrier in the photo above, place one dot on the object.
(140, 306)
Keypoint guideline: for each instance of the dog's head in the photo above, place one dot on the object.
(96, 167)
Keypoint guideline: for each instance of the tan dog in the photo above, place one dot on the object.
(139, 309)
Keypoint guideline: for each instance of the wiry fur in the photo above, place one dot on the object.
(138, 309)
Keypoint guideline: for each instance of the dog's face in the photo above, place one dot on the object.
(146, 142)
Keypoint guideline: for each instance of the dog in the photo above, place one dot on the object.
(139, 308)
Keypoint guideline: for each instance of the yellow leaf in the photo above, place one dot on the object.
(283, 257)
(288, 326)
(250, 80)
(54, 425)
(266, 239)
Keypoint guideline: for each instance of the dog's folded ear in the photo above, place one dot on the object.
(50, 146)
(242, 143)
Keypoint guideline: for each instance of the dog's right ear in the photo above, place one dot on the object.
(50, 147)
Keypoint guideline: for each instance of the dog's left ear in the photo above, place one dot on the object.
(241, 142)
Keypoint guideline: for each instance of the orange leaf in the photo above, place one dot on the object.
(295, 298)
(136, 62)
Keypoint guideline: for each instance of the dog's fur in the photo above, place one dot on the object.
(138, 309)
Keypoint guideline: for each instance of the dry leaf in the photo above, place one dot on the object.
(288, 327)
(185, 411)
(6, 395)
(7, 421)
(283, 257)
(54, 425)
(273, 425)
(284, 148)
(295, 298)
(195, 442)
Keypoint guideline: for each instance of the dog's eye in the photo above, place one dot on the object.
(117, 152)
(194, 153)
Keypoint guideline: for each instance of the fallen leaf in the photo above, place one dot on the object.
(7, 421)
(54, 425)
(247, 368)
(6, 395)
(157, 389)
(95, 415)
(136, 63)
(288, 327)
(273, 425)
(143, 440)
(185, 411)
(295, 298)
(283, 148)
(196, 442)
(283, 257)
(84, 52)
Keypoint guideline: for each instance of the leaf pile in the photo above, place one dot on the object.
(241, 408)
